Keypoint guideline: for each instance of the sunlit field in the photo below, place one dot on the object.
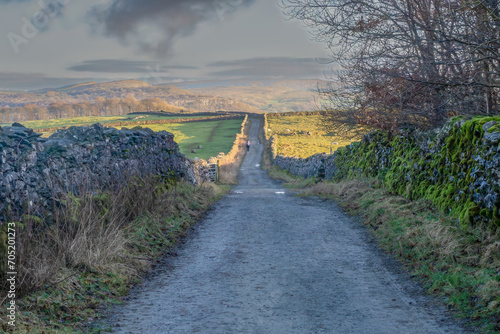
(214, 136)
(302, 136)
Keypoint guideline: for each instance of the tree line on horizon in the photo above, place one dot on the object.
(99, 107)
(406, 63)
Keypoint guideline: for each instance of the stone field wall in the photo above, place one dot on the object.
(34, 171)
(456, 167)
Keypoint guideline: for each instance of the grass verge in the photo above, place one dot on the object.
(266, 161)
(231, 162)
(97, 248)
(460, 265)
(290, 181)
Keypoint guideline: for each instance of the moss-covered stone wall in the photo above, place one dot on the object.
(457, 168)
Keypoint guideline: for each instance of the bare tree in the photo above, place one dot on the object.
(406, 62)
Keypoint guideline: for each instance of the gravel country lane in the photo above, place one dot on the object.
(264, 261)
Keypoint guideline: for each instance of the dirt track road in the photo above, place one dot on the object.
(264, 261)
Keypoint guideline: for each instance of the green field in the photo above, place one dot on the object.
(83, 121)
(302, 136)
(214, 136)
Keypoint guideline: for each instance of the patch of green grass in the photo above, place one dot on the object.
(282, 175)
(214, 136)
(302, 136)
(290, 181)
(63, 308)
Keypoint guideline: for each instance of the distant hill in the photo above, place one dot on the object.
(140, 90)
(298, 84)
(122, 84)
(202, 96)
(62, 89)
(265, 95)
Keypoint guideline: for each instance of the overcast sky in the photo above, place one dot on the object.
(51, 43)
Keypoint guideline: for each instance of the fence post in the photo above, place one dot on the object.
(218, 170)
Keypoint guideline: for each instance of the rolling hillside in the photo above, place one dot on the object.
(122, 97)
(89, 92)
(265, 95)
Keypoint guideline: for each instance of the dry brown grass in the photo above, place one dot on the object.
(96, 245)
(88, 233)
(231, 162)
(82, 240)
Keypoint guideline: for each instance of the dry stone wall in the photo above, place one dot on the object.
(456, 167)
(306, 168)
(34, 171)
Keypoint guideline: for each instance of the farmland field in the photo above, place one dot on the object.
(214, 136)
(302, 136)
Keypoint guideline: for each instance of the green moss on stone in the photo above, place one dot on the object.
(442, 176)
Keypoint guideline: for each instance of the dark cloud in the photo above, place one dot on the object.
(31, 81)
(154, 25)
(276, 67)
(123, 66)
